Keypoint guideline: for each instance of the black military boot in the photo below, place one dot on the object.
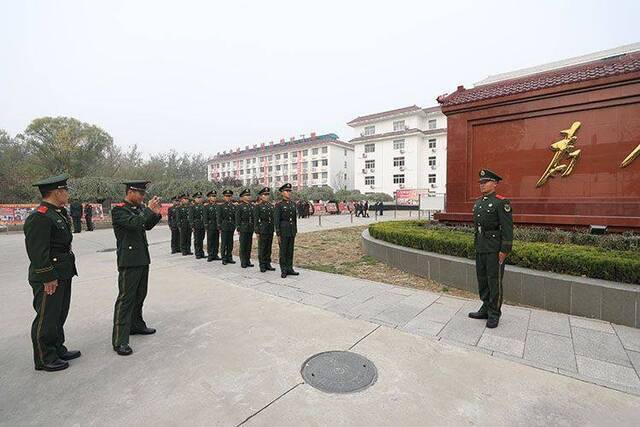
(492, 323)
(478, 315)
(56, 365)
(70, 354)
(123, 350)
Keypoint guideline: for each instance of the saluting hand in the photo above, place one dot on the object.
(154, 204)
(50, 287)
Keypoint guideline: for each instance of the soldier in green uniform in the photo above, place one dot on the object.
(172, 219)
(183, 223)
(244, 223)
(286, 225)
(197, 221)
(131, 220)
(211, 224)
(263, 226)
(492, 218)
(226, 217)
(75, 210)
(48, 239)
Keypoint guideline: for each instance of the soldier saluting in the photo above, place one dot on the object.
(48, 239)
(197, 220)
(227, 225)
(263, 227)
(131, 220)
(211, 224)
(286, 225)
(492, 218)
(244, 223)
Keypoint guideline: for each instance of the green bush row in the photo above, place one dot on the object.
(576, 260)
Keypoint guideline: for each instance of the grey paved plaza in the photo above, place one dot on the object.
(231, 342)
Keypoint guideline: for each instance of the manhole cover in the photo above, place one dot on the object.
(339, 372)
(107, 250)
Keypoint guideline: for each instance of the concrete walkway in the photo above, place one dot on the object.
(231, 342)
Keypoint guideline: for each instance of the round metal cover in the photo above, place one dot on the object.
(339, 372)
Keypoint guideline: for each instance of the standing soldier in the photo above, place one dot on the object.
(75, 210)
(172, 219)
(183, 223)
(244, 222)
(131, 220)
(286, 225)
(211, 223)
(226, 217)
(197, 221)
(492, 218)
(88, 216)
(48, 240)
(263, 226)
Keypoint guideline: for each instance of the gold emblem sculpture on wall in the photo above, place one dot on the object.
(631, 157)
(564, 151)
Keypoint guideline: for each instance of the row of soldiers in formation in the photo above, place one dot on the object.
(76, 211)
(218, 220)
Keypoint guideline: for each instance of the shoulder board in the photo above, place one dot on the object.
(43, 209)
(120, 205)
(498, 196)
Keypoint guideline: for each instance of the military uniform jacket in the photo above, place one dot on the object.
(172, 214)
(285, 218)
(226, 216)
(493, 222)
(88, 210)
(75, 209)
(130, 225)
(244, 217)
(211, 215)
(196, 216)
(182, 215)
(48, 239)
(263, 218)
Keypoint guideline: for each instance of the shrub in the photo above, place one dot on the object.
(559, 257)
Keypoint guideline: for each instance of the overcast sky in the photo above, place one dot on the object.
(206, 76)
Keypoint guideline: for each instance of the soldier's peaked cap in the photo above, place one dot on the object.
(487, 175)
(211, 193)
(285, 187)
(197, 194)
(52, 183)
(245, 192)
(227, 193)
(137, 184)
(265, 190)
(183, 196)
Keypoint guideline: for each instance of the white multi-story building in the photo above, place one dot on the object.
(312, 161)
(401, 149)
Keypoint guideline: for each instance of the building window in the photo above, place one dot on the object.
(398, 125)
(294, 155)
(398, 179)
(345, 176)
(432, 124)
(314, 175)
(370, 148)
(432, 178)
(270, 168)
(398, 161)
(305, 152)
(369, 180)
(285, 156)
(325, 150)
(432, 161)
(314, 164)
(277, 156)
(345, 165)
(398, 144)
(432, 143)
(285, 167)
(294, 177)
(324, 175)
(314, 151)
(369, 130)
(241, 171)
(304, 165)
(345, 151)
(262, 169)
(369, 164)
(325, 162)
(277, 167)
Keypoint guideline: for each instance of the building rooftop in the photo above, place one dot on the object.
(625, 59)
(397, 133)
(383, 114)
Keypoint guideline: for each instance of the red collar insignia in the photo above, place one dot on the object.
(43, 209)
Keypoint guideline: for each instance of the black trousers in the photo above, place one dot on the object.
(89, 221)
(47, 329)
(490, 273)
(245, 241)
(285, 255)
(77, 224)
(198, 241)
(226, 245)
(265, 243)
(185, 239)
(132, 291)
(213, 242)
(175, 239)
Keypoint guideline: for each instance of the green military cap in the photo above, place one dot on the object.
(52, 183)
(227, 193)
(487, 175)
(285, 187)
(197, 194)
(137, 185)
(183, 196)
(245, 192)
(265, 190)
(211, 193)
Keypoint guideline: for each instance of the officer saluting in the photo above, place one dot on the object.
(492, 218)
(211, 224)
(48, 239)
(286, 225)
(263, 227)
(197, 220)
(131, 220)
(244, 223)
(226, 225)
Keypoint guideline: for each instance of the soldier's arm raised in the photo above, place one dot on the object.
(125, 219)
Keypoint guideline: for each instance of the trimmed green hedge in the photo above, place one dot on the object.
(577, 260)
